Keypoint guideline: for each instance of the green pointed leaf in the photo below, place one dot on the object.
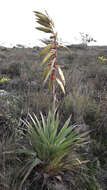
(45, 126)
(39, 129)
(54, 132)
(64, 131)
(25, 151)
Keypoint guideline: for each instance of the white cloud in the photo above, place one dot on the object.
(17, 21)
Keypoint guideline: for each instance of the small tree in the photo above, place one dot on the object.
(86, 38)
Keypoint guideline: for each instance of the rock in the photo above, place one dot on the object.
(3, 93)
(57, 186)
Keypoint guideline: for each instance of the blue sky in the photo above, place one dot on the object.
(17, 20)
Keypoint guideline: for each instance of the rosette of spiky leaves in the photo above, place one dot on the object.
(50, 147)
(50, 52)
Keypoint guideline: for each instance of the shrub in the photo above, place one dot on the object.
(86, 38)
(14, 70)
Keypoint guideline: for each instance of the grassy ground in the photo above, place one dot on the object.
(85, 99)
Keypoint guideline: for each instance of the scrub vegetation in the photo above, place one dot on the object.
(53, 115)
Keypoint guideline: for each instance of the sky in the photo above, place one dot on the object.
(17, 20)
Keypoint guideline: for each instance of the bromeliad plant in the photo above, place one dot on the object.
(53, 151)
(50, 150)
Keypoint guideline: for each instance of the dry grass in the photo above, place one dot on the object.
(85, 99)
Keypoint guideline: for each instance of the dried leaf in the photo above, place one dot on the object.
(47, 57)
(42, 17)
(37, 12)
(45, 72)
(46, 49)
(60, 84)
(50, 84)
(59, 178)
(48, 73)
(52, 23)
(53, 36)
(61, 75)
(44, 23)
(47, 29)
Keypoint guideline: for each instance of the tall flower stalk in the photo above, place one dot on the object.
(52, 71)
